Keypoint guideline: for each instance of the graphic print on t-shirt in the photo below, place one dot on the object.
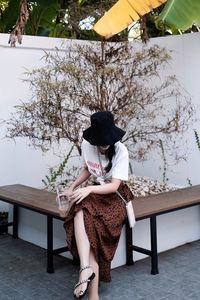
(95, 169)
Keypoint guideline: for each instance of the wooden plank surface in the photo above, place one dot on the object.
(163, 202)
(32, 198)
(44, 202)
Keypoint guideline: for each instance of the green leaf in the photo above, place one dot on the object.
(9, 16)
(197, 139)
(181, 14)
(46, 3)
(80, 2)
(41, 18)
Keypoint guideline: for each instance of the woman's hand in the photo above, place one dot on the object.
(79, 194)
(68, 193)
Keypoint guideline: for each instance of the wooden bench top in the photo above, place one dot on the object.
(32, 198)
(144, 207)
(166, 202)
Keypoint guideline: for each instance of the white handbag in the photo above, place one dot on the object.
(129, 210)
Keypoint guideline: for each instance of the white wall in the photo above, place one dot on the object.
(22, 164)
(185, 65)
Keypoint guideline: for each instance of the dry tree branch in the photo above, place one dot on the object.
(17, 31)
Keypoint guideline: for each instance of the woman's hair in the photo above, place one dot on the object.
(110, 152)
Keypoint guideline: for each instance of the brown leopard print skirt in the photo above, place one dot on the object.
(104, 216)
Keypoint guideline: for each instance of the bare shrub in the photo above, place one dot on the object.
(91, 77)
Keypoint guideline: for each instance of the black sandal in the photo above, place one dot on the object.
(82, 293)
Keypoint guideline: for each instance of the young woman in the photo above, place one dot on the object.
(94, 223)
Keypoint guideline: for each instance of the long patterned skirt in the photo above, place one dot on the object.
(104, 216)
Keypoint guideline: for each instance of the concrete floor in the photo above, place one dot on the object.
(23, 275)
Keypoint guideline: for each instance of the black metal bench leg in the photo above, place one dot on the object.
(129, 243)
(50, 268)
(15, 221)
(154, 251)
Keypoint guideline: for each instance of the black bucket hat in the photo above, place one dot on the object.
(103, 130)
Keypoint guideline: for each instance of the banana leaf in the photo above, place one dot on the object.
(180, 14)
(122, 14)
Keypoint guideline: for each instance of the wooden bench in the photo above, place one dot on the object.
(152, 206)
(37, 200)
(145, 208)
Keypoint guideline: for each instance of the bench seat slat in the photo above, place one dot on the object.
(164, 202)
(32, 198)
(144, 207)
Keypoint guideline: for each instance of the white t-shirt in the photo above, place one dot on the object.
(120, 162)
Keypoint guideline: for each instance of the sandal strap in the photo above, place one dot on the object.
(81, 282)
(83, 268)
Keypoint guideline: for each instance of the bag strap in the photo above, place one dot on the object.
(125, 201)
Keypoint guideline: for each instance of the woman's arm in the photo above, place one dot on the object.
(107, 188)
(83, 176)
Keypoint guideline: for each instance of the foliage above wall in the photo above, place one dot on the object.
(53, 18)
(75, 19)
(175, 17)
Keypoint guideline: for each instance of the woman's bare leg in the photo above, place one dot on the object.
(83, 247)
(94, 286)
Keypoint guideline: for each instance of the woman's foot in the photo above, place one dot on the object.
(86, 276)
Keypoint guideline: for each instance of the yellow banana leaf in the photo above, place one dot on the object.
(122, 14)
